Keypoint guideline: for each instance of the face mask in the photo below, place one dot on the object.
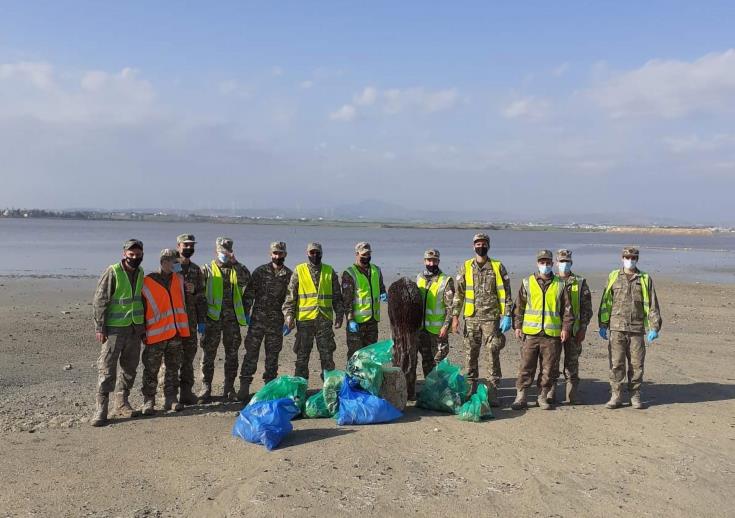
(278, 261)
(365, 261)
(432, 268)
(565, 267)
(315, 259)
(481, 251)
(222, 257)
(630, 263)
(176, 268)
(544, 269)
(133, 262)
(187, 252)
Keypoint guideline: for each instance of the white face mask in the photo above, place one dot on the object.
(630, 264)
(565, 268)
(222, 257)
(544, 269)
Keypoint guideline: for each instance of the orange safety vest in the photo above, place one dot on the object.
(165, 310)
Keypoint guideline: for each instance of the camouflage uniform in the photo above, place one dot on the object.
(265, 295)
(170, 353)
(319, 329)
(432, 348)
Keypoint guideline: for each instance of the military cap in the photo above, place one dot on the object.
(431, 253)
(363, 248)
(544, 254)
(481, 237)
(132, 243)
(563, 254)
(169, 253)
(186, 238)
(313, 246)
(630, 250)
(278, 246)
(224, 243)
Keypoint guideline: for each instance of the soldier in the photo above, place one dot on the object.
(119, 318)
(196, 309)
(628, 309)
(166, 324)
(264, 295)
(483, 295)
(225, 280)
(313, 303)
(362, 292)
(543, 319)
(437, 295)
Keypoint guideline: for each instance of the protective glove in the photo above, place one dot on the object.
(247, 320)
(652, 335)
(352, 326)
(383, 297)
(505, 324)
(286, 330)
(201, 328)
(603, 333)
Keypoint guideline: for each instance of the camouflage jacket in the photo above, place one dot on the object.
(567, 318)
(448, 294)
(196, 298)
(348, 288)
(103, 295)
(487, 305)
(291, 304)
(243, 278)
(585, 302)
(266, 292)
(627, 305)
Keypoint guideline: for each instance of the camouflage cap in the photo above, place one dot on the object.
(313, 246)
(563, 254)
(132, 243)
(363, 247)
(481, 237)
(186, 238)
(224, 243)
(278, 246)
(431, 253)
(630, 250)
(544, 254)
(169, 253)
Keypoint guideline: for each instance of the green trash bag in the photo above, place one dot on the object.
(293, 387)
(477, 408)
(444, 390)
(367, 365)
(316, 407)
(332, 385)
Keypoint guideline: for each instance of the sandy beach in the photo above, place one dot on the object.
(676, 458)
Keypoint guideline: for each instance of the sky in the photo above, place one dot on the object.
(569, 108)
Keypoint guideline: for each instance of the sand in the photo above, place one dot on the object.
(676, 458)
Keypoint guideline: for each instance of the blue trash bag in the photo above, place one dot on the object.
(266, 422)
(356, 406)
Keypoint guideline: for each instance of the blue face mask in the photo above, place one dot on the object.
(176, 268)
(544, 269)
(565, 267)
(222, 257)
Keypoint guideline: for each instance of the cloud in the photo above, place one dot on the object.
(670, 89)
(529, 108)
(234, 88)
(695, 143)
(277, 71)
(37, 74)
(396, 100)
(346, 113)
(560, 70)
(367, 97)
(306, 84)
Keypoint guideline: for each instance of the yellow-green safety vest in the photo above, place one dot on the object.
(366, 304)
(469, 290)
(126, 306)
(607, 297)
(543, 309)
(575, 286)
(313, 301)
(215, 291)
(432, 297)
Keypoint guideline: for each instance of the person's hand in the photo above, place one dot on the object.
(455, 325)
(353, 326)
(580, 335)
(290, 323)
(652, 335)
(383, 297)
(201, 328)
(286, 330)
(603, 333)
(505, 324)
(101, 337)
(338, 323)
(444, 331)
(564, 335)
(519, 334)
(189, 287)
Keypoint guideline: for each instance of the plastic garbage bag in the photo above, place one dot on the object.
(316, 406)
(359, 407)
(444, 390)
(332, 385)
(266, 422)
(477, 408)
(367, 364)
(293, 387)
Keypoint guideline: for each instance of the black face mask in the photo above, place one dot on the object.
(133, 262)
(315, 259)
(187, 252)
(433, 269)
(278, 261)
(365, 261)
(481, 251)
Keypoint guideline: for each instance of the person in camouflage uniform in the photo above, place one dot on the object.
(628, 309)
(433, 342)
(225, 316)
(487, 305)
(118, 318)
(313, 322)
(167, 350)
(362, 328)
(263, 299)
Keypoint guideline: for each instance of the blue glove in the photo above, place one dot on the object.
(505, 324)
(384, 297)
(352, 326)
(247, 320)
(286, 330)
(201, 328)
(603, 333)
(652, 335)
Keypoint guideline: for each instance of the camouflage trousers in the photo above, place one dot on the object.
(168, 352)
(476, 335)
(321, 331)
(122, 346)
(427, 348)
(262, 329)
(188, 352)
(572, 351)
(624, 346)
(542, 352)
(367, 333)
(409, 361)
(228, 329)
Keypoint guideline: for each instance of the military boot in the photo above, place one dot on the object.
(543, 400)
(171, 403)
(186, 396)
(472, 389)
(228, 392)
(149, 405)
(205, 396)
(122, 406)
(492, 397)
(615, 401)
(635, 401)
(572, 395)
(551, 395)
(243, 394)
(100, 414)
(520, 402)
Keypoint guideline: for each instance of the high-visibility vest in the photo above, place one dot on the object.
(366, 304)
(575, 286)
(607, 297)
(313, 301)
(215, 292)
(469, 290)
(543, 308)
(165, 311)
(126, 306)
(432, 296)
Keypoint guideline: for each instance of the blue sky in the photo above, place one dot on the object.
(314, 104)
